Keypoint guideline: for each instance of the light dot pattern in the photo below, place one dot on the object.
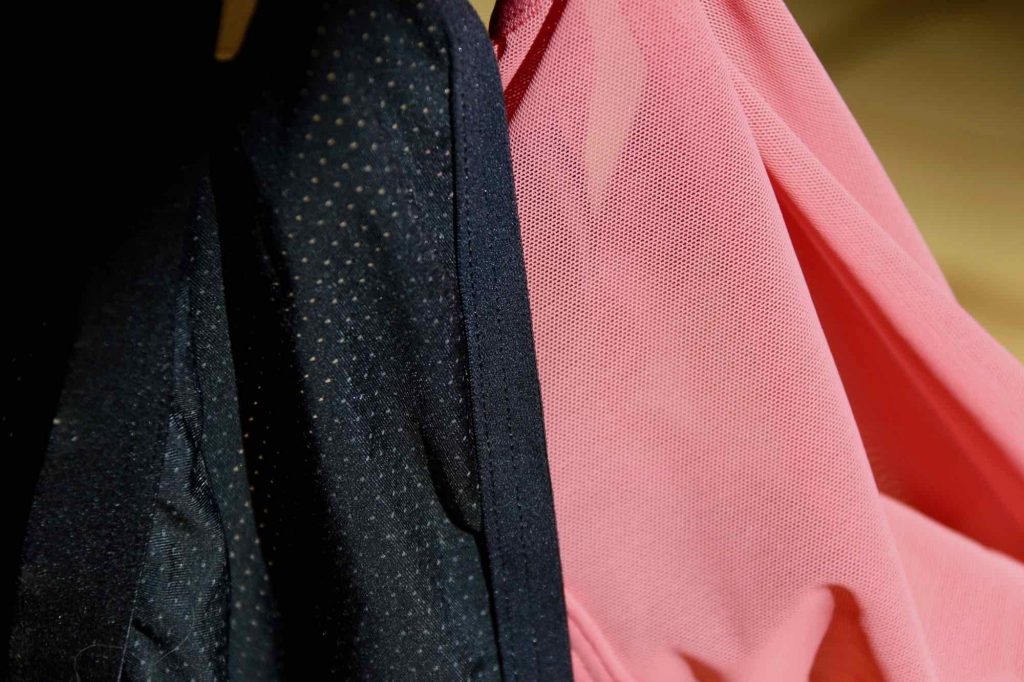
(336, 210)
(203, 608)
(265, 451)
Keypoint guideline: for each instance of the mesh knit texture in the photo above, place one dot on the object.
(779, 448)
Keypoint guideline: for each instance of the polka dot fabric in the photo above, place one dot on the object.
(353, 385)
(203, 607)
(301, 434)
(779, 448)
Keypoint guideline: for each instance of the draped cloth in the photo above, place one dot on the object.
(779, 447)
(300, 435)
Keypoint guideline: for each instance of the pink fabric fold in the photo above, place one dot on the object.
(779, 448)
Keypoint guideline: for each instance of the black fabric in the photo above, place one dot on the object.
(301, 432)
(518, 511)
(90, 522)
(85, 165)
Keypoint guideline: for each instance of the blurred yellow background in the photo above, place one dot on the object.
(938, 87)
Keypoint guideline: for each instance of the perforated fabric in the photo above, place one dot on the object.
(779, 448)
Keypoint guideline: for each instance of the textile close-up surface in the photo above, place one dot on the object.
(598, 346)
(779, 447)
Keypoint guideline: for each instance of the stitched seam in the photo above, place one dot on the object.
(513, 460)
(471, 310)
(482, 393)
(523, 628)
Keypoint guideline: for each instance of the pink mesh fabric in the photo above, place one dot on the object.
(780, 450)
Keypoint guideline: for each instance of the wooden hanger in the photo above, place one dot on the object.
(235, 16)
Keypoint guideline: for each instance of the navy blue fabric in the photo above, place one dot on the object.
(300, 435)
(519, 521)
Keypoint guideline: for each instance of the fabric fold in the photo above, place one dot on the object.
(747, 356)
